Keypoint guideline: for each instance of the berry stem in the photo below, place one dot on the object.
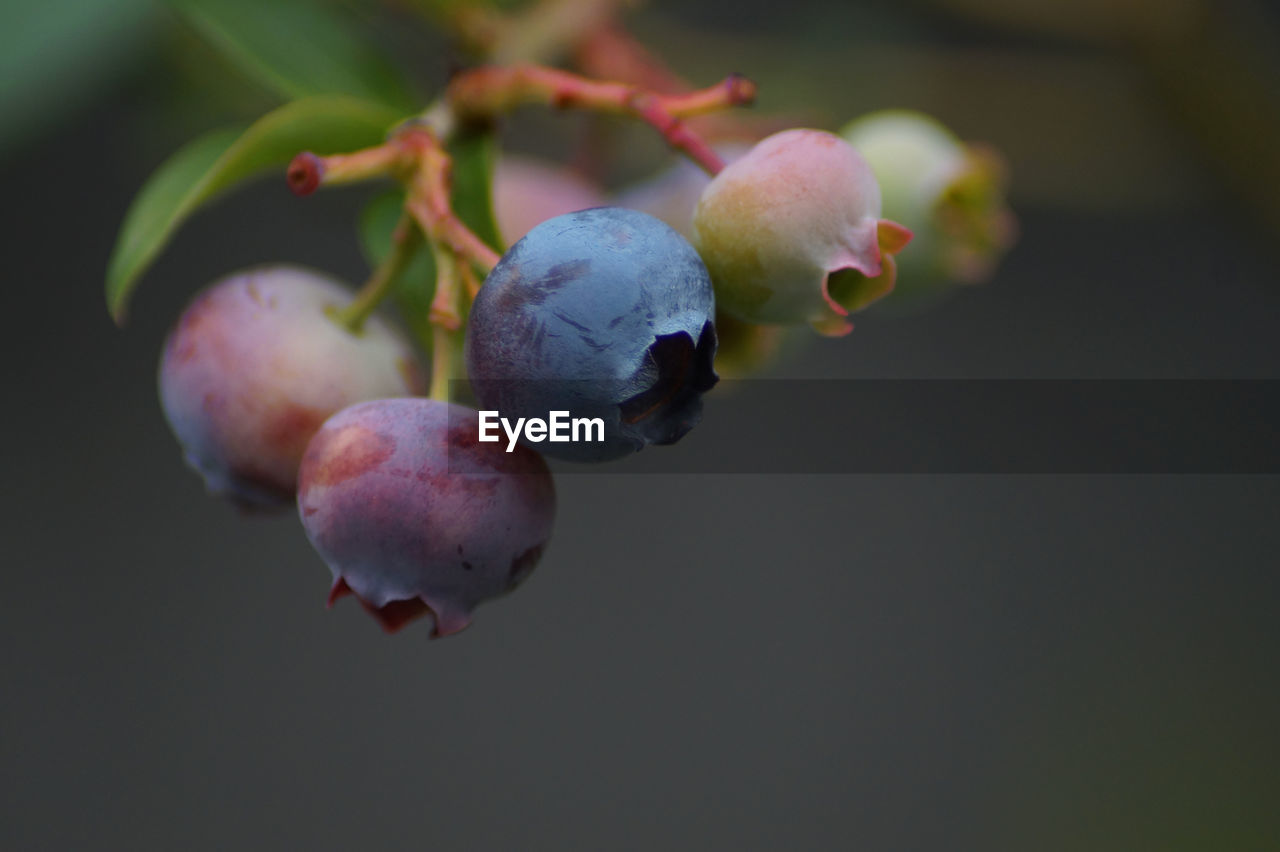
(442, 347)
(416, 155)
(308, 172)
(488, 91)
(471, 282)
(458, 252)
(444, 316)
(405, 241)
(429, 202)
(610, 52)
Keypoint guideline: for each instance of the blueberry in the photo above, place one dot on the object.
(605, 313)
(415, 517)
(792, 233)
(950, 193)
(254, 366)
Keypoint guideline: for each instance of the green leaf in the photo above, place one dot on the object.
(54, 57)
(218, 161)
(473, 156)
(298, 48)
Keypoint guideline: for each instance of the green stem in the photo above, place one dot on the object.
(445, 322)
(405, 241)
(441, 363)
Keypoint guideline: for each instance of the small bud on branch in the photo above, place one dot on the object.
(308, 172)
(305, 173)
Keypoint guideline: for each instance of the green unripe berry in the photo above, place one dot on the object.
(791, 233)
(951, 195)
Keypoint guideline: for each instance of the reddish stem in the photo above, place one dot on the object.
(309, 172)
(677, 133)
(610, 52)
(491, 90)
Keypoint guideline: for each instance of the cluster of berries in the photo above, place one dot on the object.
(608, 313)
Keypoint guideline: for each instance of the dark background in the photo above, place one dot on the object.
(727, 661)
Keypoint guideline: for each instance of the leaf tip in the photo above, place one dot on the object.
(119, 311)
(117, 297)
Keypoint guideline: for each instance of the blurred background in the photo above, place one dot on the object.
(702, 662)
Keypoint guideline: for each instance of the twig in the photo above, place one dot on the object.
(430, 201)
(492, 90)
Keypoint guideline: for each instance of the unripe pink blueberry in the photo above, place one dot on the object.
(416, 517)
(528, 191)
(791, 233)
(254, 366)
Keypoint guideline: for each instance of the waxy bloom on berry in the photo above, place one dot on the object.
(604, 313)
(949, 193)
(792, 233)
(254, 366)
(415, 517)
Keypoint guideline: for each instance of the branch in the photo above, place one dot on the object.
(492, 90)
(609, 52)
(416, 155)
(430, 200)
(308, 172)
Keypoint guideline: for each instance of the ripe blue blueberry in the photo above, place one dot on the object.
(604, 313)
